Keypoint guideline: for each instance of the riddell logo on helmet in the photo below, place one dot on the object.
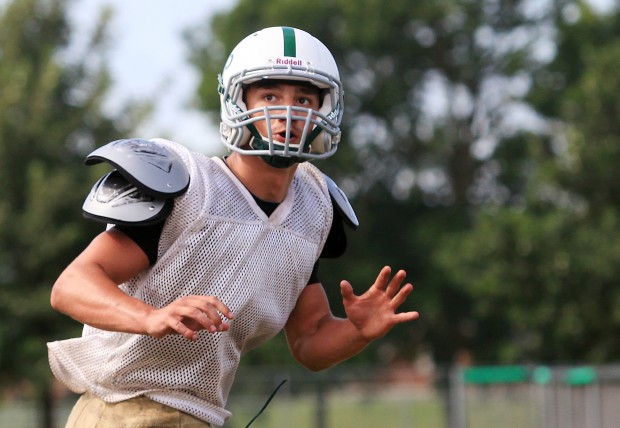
(289, 61)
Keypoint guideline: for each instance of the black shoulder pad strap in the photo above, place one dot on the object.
(113, 199)
(149, 166)
(342, 203)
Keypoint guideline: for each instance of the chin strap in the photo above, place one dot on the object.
(281, 161)
(275, 160)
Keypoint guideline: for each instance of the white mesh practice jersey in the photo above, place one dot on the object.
(216, 241)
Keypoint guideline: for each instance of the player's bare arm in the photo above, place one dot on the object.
(319, 340)
(87, 291)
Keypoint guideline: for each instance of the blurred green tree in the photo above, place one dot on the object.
(543, 273)
(51, 115)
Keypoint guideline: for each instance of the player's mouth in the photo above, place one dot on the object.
(281, 137)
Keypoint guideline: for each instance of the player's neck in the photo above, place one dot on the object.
(262, 180)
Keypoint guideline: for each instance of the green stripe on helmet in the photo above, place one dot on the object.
(290, 47)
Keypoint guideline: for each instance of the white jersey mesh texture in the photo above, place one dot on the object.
(217, 241)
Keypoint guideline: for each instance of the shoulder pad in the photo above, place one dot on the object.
(113, 199)
(149, 166)
(342, 203)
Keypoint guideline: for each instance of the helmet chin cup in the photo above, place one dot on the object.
(277, 161)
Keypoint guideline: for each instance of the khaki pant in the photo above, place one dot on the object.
(139, 412)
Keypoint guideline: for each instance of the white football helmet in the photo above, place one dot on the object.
(281, 53)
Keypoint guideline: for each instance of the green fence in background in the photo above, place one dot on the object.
(531, 396)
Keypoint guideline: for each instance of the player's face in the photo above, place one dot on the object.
(282, 93)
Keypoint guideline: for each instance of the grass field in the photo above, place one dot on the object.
(343, 410)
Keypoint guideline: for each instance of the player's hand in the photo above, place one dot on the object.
(187, 316)
(374, 312)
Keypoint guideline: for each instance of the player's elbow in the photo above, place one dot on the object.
(60, 296)
(310, 361)
(313, 366)
(317, 367)
(57, 297)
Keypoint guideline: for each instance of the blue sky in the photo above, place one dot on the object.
(148, 57)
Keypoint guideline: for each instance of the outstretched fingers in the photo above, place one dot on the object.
(383, 278)
(400, 294)
(404, 317)
(394, 284)
(374, 312)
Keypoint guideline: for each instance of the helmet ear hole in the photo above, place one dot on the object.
(323, 95)
(244, 98)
